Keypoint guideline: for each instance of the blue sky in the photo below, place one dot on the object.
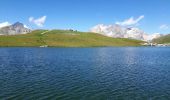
(84, 14)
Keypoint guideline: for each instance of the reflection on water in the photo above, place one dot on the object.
(125, 73)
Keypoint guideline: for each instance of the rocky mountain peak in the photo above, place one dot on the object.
(16, 28)
(117, 31)
(18, 24)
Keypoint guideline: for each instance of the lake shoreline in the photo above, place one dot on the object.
(67, 46)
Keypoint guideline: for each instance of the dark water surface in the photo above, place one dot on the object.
(125, 73)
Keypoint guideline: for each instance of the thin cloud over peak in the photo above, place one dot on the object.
(131, 21)
(26, 26)
(39, 21)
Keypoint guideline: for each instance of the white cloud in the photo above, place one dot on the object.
(3, 24)
(130, 21)
(26, 26)
(164, 27)
(39, 21)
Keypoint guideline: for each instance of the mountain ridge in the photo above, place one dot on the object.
(16, 28)
(117, 31)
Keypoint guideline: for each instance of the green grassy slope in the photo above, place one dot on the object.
(163, 39)
(61, 38)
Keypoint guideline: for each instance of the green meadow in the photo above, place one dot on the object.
(63, 38)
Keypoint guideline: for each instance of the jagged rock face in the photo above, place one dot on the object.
(117, 31)
(16, 28)
(134, 33)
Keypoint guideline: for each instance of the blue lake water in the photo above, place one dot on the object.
(124, 73)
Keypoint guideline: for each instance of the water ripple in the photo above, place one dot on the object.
(127, 73)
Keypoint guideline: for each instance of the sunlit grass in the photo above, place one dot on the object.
(64, 38)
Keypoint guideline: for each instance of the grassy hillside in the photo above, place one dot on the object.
(163, 39)
(61, 38)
